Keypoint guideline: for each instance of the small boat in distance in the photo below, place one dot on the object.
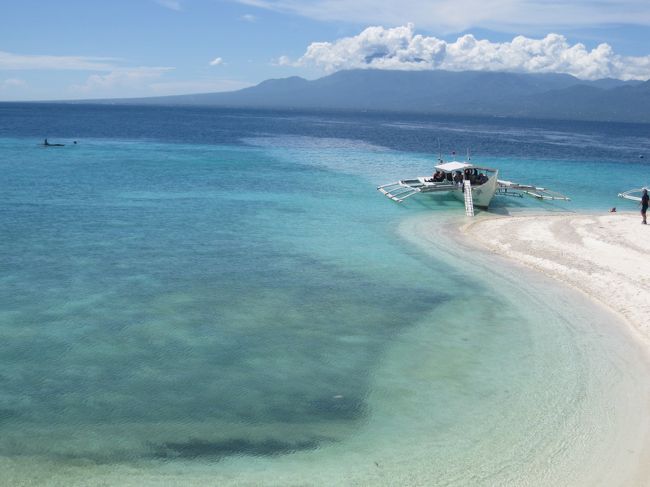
(472, 184)
(47, 144)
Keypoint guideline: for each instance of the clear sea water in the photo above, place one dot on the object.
(199, 295)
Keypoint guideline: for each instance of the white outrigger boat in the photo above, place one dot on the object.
(474, 185)
(633, 194)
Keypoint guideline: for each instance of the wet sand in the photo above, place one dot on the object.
(592, 277)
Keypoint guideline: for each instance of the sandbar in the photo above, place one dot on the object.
(606, 256)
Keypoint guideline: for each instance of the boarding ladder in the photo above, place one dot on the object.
(469, 201)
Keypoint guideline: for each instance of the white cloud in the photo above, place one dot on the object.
(170, 4)
(13, 83)
(21, 61)
(120, 79)
(147, 81)
(216, 61)
(249, 18)
(456, 15)
(283, 61)
(400, 48)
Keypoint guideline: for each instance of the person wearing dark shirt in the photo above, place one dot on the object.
(438, 176)
(644, 205)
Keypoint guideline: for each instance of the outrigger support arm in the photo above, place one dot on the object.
(397, 191)
(629, 195)
(508, 188)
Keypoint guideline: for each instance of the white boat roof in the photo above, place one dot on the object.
(453, 166)
(460, 166)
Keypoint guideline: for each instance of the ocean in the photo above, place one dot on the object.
(213, 296)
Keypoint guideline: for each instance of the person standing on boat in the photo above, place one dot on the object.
(644, 205)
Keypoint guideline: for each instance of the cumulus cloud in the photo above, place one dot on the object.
(457, 15)
(249, 18)
(284, 61)
(401, 48)
(13, 61)
(216, 61)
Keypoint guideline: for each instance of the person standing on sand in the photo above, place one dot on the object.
(644, 205)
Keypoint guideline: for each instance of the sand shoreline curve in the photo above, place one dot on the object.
(606, 256)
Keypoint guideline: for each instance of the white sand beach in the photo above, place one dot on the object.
(605, 256)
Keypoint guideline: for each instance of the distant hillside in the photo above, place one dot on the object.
(558, 96)
(625, 103)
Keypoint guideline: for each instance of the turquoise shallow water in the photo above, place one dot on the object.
(250, 309)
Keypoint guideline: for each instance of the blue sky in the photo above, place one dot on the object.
(72, 49)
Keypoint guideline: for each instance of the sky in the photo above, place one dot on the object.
(85, 49)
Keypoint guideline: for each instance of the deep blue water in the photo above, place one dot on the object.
(484, 137)
(229, 281)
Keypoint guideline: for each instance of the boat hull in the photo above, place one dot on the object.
(481, 195)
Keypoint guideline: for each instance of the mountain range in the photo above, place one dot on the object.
(557, 96)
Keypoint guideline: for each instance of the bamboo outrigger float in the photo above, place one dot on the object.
(472, 184)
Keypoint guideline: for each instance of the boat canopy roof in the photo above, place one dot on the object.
(458, 166)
